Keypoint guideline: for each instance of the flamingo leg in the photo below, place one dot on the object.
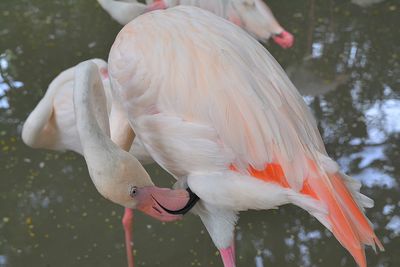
(127, 223)
(228, 256)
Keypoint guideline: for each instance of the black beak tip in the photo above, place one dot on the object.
(193, 198)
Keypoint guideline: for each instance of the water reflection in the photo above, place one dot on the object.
(394, 225)
(3, 260)
(309, 80)
(366, 3)
(383, 119)
(50, 214)
(6, 81)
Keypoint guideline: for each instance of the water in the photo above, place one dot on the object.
(346, 59)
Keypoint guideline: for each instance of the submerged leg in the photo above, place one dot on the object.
(127, 223)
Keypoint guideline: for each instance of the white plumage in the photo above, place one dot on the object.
(52, 124)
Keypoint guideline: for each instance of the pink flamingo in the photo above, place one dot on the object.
(214, 109)
(254, 16)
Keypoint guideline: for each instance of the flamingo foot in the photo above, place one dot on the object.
(228, 256)
(284, 39)
(127, 223)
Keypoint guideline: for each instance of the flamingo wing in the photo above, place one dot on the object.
(239, 90)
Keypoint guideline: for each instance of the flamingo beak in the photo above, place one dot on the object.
(193, 198)
(165, 204)
(284, 39)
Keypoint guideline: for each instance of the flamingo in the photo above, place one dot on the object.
(214, 109)
(254, 16)
(53, 125)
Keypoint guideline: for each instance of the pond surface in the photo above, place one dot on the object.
(346, 63)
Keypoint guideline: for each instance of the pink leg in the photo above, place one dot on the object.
(228, 256)
(127, 223)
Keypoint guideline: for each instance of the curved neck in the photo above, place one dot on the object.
(112, 169)
(90, 106)
(37, 122)
(273, 24)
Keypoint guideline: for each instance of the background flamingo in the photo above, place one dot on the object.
(125, 11)
(254, 16)
(232, 126)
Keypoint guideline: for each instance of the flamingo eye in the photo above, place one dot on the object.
(133, 191)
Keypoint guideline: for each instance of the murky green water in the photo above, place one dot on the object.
(346, 58)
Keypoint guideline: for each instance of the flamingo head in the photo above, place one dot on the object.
(256, 18)
(162, 203)
(124, 181)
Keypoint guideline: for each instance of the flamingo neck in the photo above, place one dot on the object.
(93, 128)
(113, 170)
(90, 105)
(37, 122)
(273, 24)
